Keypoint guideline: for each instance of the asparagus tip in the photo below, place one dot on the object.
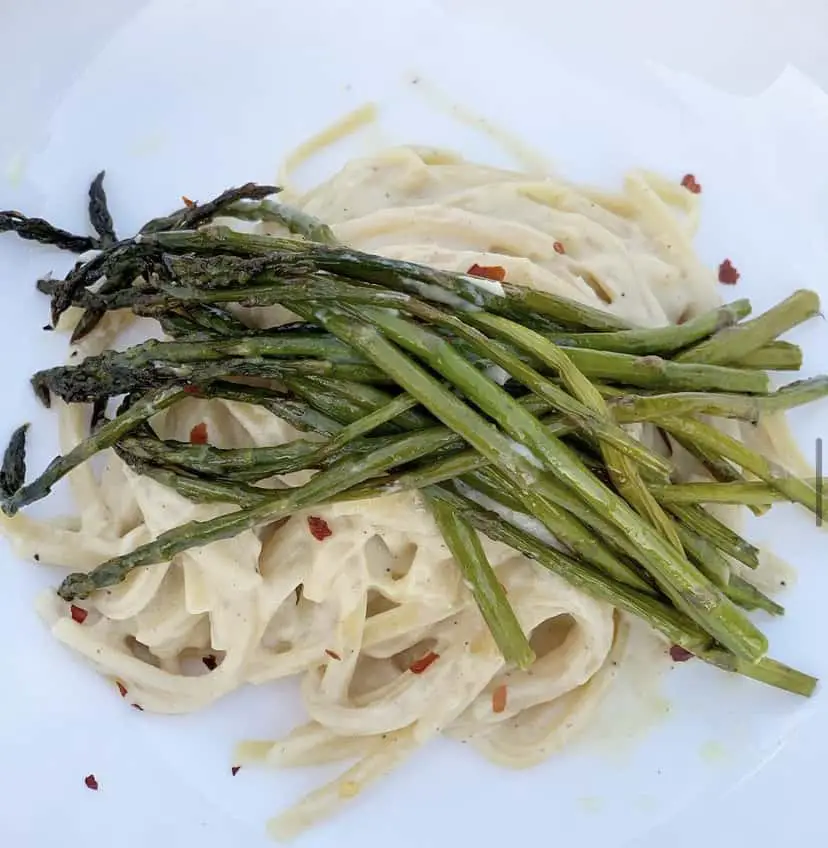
(13, 470)
(76, 586)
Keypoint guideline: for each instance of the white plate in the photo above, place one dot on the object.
(188, 98)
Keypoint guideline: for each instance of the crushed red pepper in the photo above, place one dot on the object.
(91, 782)
(187, 202)
(728, 274)
(198, 435)
(235, 770)
(78, 614)
(210, 662)
(499, 699)
(559, 248)
(319, 528)
(420, 665)
(679, 654)
(689, 182)
(489, 272)
(332, 654)
(121, 688)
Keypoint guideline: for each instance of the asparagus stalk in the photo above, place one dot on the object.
(660, 340)
(104, 437)
(233, 464)
(98, 377)
(277, 345)
(735, 343)
(767, 670)
(757, 493)
(197, 489)
(745, 407)
(294, 219)
(710, 439)
(465, 547)
(258, 463)
(653, 372)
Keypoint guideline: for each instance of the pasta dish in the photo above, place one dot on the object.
(402, 613)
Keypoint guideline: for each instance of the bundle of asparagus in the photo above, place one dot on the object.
(496, 402)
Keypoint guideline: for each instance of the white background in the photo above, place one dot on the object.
(740, 46)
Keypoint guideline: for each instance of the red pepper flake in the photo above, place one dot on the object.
(689, 182)
(137, 707)
(420, 665)
(235, 770)
(489, 272)
(319, 528)
(187, 202)
(78, 614)
(192, 390)
(210, 662)
(121, 688)
(559, 248)
(332, 654)
(499, 699)
(728, 273)
(198, 435)
(91, 782)
(679, 654)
